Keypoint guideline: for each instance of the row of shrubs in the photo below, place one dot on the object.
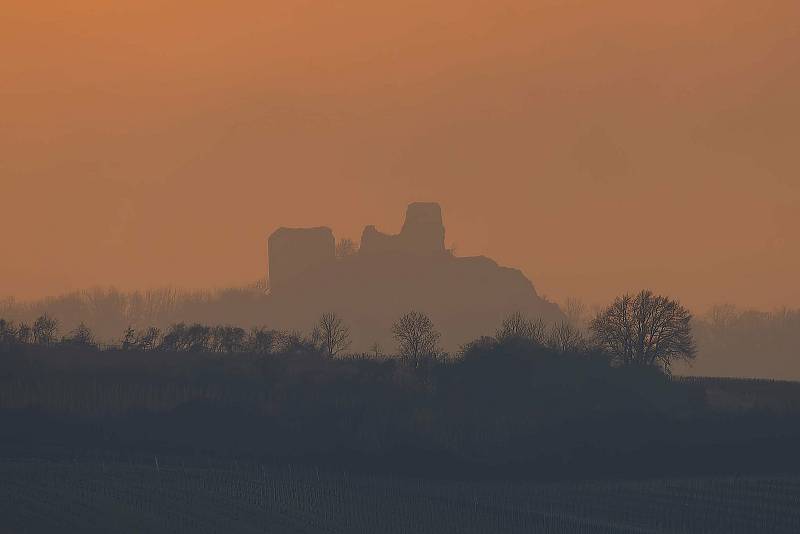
(178, 338)
(415, 333)
(643, 329)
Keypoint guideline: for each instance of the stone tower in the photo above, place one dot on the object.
(422, 234)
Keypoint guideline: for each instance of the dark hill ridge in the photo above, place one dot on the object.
(390, 275)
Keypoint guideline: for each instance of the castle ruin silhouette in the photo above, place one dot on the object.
(390, 275)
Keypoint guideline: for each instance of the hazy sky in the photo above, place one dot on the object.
(599, 146)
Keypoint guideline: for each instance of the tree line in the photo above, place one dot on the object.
(641, 329)
(550, 397)
(743, 342)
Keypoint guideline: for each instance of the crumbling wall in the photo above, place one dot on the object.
(422, 233)
(391, 275)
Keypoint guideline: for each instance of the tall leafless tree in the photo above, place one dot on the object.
(294, 342)
(645, 329)
(333, 334)
(8, 333)
(227, 339)
(81, 336)
(261, 340)
(183, 338)
(45, 329)
(24, 333)
(128, 341)
(149, 339)
(416, 337)
(564, 337)
(517, 326)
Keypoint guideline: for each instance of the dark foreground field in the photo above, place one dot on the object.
(180, 495)
(508, 437)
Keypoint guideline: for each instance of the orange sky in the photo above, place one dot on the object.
(599, 146)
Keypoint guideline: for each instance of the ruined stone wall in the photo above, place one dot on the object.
(391, 275)
(422, 233)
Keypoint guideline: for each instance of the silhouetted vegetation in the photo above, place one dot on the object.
(332, 334)
(44, 330)
(729, 341)
(645, 329)
(416, 337)
(533, 399)
(748, 343)
(517, 326)
(108, 312)
(81, 336)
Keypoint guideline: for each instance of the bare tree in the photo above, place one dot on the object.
(183, 338)
(564, 337)
(45, 329)
(128, 339)
(8, 334)
(645, 329)
(82, 336)
(24, 333)
(174, 338)
(227, 339)
(346, 247)
(416, 336)
(149, 339)
(517, 326)
(294, 342)
(261, 340)
(334, 335)
(198, 337)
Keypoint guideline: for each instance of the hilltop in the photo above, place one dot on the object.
(389, 275)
